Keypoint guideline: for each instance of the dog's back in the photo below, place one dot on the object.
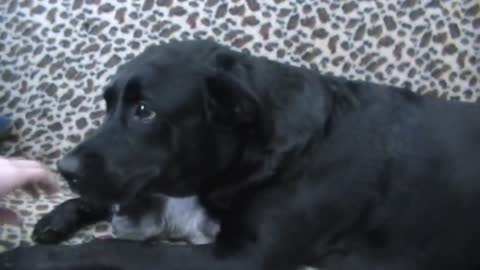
(420, 157)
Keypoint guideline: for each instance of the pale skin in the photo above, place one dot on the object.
(25, 174)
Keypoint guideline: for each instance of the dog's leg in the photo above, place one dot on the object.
(122, 255)
(67, 218)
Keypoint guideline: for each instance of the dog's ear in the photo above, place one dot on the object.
(228, 100)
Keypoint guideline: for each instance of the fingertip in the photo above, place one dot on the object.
(31, 190)
(49, 185)
(9, 217)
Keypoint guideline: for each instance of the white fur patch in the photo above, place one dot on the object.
(181, 219)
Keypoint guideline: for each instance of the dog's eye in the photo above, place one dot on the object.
(143, 113)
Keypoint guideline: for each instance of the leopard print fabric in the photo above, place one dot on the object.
(56, 55)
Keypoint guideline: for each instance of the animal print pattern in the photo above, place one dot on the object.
(56, 56)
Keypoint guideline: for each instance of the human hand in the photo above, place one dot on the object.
(21, 173)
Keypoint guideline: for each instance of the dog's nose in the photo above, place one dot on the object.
(69, 168)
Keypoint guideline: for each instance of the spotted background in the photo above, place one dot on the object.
(56, 55)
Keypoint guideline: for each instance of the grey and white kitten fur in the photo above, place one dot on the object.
(164, 218)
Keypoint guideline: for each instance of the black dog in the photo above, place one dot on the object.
(299, 168)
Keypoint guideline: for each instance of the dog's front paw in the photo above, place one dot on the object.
(54, 228)
(61, 223)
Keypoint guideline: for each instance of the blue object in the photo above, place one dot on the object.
(5, 126)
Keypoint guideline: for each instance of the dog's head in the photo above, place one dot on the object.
(175, 118)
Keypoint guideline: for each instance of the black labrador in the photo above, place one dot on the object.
(298, 168)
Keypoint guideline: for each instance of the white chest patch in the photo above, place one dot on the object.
(178, 219)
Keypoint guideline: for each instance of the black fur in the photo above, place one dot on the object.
(299, 168)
